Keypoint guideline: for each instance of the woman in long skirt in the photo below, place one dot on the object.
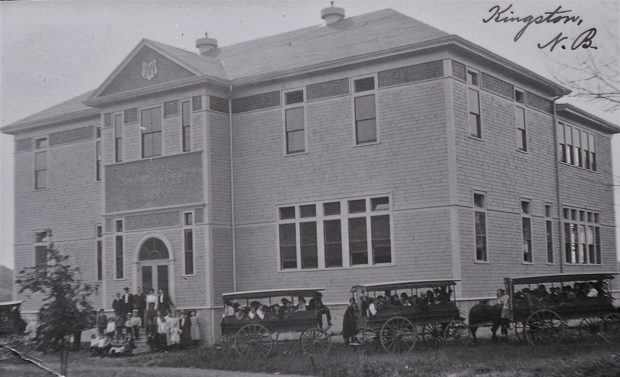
(195, 328)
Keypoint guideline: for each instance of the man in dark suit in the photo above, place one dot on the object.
(127, 301)
(163, 302)
(139, 304)
(185, 325)
(117, 305)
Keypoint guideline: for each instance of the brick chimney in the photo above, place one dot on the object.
(206, 44)
(332, 14)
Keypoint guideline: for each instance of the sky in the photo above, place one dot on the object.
(53, 51)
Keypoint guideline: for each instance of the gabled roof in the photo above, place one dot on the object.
(69, 110)
(572, 113)
(359, 35)
(204, 65)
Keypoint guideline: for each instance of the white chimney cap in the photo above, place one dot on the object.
(206, 44)
(332, 14)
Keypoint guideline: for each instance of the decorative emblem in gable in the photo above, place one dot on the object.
(149, 69)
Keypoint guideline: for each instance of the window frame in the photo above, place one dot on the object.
(364, 93)
(573, 219)
(474, 87)
(343, 217)
(483, 210)
(43, 243)
(188, 227)
(99, 257)
(185, 148)
(119, 152)
(548, 214)
(522, 134)
(98, 155)
(119, 234)
(141, 135)
(292, 106)
(580, 154)
(38, 151)
(527, 215)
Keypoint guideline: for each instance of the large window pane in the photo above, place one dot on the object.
(333, 243)
(189, 251)
(295, 141)
(119, 257)
(381, 245)
(358, 245)
(366, 131)
(40, 255)
(481, 236)
(527, 239)
(295, 119)
(365, 107)
(288, 246)
(356, 206)
(309, 253)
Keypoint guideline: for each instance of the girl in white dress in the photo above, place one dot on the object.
(195, 328)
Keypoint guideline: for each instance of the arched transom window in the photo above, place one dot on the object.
(153, 249)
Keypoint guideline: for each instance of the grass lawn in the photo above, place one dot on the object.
(571, 358)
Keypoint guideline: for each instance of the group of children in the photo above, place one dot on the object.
(563, 295)
(178, 329)
(117, 337)
(369, 306)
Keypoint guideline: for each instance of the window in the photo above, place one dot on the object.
(40, 163)
(365, 110)
(519, 96)
(196, 103)
(99, 250)
(549, 233)
(577, 147)
(119, 252)
(582, 244)
(294, 123)
(118, 137)
(480, 225)
(185, 126)
(42, 240)
(151, 132)
(526, 227)
(521, 130)
(365, 221)
(472, 77)
(475, 126)
(188, 240)
(98, 154)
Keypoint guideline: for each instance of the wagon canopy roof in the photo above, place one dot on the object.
(535, 279)
(10, 303)
(406, 284)
(272, 293)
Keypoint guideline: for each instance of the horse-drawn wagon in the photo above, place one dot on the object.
(581, 302)
(408, 310)
(254, 329)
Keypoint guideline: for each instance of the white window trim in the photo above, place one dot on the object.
(486, 222)
(139, 116)
(578, 130)
(525, 128)
(181, 102)
(529, 216)
(193, 229)
(344, 217)
(47, 164)
(114, 136)
(122, 234)
(285, 107)
(45, 243)
(585, 223)
(362, 94)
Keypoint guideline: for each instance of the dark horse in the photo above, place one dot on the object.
(482, 314)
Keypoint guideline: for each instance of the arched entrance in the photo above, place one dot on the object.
(154, 265)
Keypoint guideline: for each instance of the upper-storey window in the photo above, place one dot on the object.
(185, 127)
(521, 128)
(519, 95)
(473, 103)
(577, 146)
(365, 110)
(480, 226)
(40, 163)
(42, 240)
(294, 122)
(98, 154)
(582, 236)
(118, 137)
(151, 132)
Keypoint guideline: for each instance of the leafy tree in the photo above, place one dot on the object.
(65, 309)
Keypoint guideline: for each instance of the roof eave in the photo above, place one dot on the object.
(21, 126)
(585, 117)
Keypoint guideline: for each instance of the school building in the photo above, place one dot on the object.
(369, 148)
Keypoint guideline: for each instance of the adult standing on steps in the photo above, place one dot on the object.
(164, 303)
(139, 303)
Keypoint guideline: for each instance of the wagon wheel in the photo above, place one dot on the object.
(544, 326)
(253, 340)
(457, 334)
(520, 330)
(610, 328)
(589, 327)
(314, 341)
(432, 334)
(397, 334)
(366, 336)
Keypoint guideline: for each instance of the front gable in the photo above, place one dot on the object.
(144, 67)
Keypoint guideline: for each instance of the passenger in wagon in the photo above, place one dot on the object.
(285, 309)
(430, 297)
(444, 294)
(372, 308)
(380, 303)
(301, 304)
(238, 311)
(394, 301)
(591, 292)
(404, 299)
(228, 309)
